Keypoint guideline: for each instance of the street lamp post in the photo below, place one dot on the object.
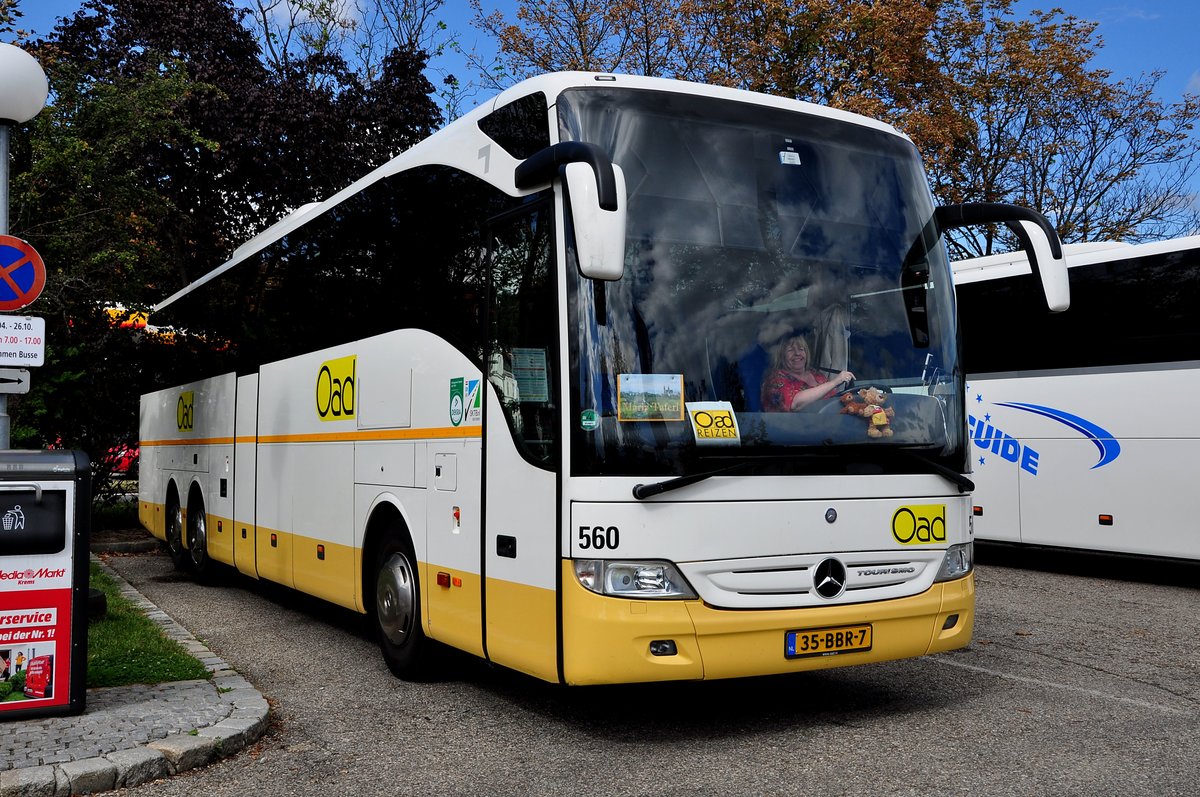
(23, 92)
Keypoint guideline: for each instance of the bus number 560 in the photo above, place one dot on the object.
(598, 537)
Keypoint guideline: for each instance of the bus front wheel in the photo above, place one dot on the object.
(174, 534)
(398, 611)
(197, 536)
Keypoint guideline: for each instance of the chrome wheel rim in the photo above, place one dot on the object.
(395, 598)
(198, 538)
(174, 529)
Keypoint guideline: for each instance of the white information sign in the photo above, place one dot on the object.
(22, 341)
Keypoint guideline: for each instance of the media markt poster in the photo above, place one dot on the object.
(35, 612)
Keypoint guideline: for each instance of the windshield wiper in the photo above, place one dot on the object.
(643, 491)
(964, 484)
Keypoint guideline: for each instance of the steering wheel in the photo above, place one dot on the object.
(832, 404)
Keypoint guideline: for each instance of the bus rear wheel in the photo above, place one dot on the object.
(398, 612)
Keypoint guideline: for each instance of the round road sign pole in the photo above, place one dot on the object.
(4, 135)
(5, 422)
(23, 94)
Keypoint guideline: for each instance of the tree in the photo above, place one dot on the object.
(9, 14)
(82, 198)
(167, 143)
(1002, 109)
(1103, 158)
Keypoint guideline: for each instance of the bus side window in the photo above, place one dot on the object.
(522, 331)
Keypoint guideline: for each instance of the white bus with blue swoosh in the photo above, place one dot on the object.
(1085, 430)
(506, 392)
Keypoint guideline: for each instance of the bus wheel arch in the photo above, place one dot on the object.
(392, 594)
(173, 530)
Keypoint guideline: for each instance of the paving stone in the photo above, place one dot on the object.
(29, 782)
(134, 734)
(186, 752)
(90, 775)
(139, 765)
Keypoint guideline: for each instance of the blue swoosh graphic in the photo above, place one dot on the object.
(1104, 441)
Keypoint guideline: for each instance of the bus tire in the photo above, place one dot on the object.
(397, 610)
(174, 532)
(199, 562)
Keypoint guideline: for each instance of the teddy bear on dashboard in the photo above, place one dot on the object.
(869, 403)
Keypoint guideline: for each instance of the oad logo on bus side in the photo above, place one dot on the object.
(335, 389)
(919, 525)
(185, 411)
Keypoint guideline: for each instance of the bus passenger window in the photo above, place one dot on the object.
(521, 337)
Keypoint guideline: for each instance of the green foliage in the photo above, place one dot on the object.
(120, 514)
(17, 681)
(168, 141)
(125, 647)
(5, 690)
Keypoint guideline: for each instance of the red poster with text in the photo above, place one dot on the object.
(35, 636)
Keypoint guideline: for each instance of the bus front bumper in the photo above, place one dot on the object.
(608, 640)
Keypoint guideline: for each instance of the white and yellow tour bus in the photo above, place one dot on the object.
(1072, 443)
(505, 392)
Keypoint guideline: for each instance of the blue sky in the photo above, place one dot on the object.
(1139, 36)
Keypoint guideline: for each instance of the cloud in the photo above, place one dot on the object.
(1193, 85)
(1132, 12)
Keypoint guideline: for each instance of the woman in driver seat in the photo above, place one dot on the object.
(792, 384)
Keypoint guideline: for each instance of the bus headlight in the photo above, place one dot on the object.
(960, 560)
(633, 579)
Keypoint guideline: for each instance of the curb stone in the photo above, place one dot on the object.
(244, 723)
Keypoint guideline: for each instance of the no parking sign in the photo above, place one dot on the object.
(22, 274)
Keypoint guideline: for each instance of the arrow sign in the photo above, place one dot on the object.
(14, 380)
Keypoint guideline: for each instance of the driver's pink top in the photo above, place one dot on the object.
(780, 387)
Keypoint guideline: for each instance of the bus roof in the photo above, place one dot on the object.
(458, 145)
(1011, 264)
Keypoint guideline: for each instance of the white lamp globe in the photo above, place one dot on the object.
(23, 85)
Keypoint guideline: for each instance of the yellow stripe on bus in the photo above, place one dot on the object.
(438, 433)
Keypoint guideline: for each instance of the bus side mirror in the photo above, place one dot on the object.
(599, 233)
(1038, 239)
(596, 191)
(1049, 265)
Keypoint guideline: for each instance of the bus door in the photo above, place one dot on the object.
(521, 446)
(453, 581)
(245, 467)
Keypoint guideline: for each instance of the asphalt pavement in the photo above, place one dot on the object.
(1078, 682)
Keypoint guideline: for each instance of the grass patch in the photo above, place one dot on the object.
(126, 647)
(118, 515)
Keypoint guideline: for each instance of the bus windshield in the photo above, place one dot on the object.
(747, 228)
